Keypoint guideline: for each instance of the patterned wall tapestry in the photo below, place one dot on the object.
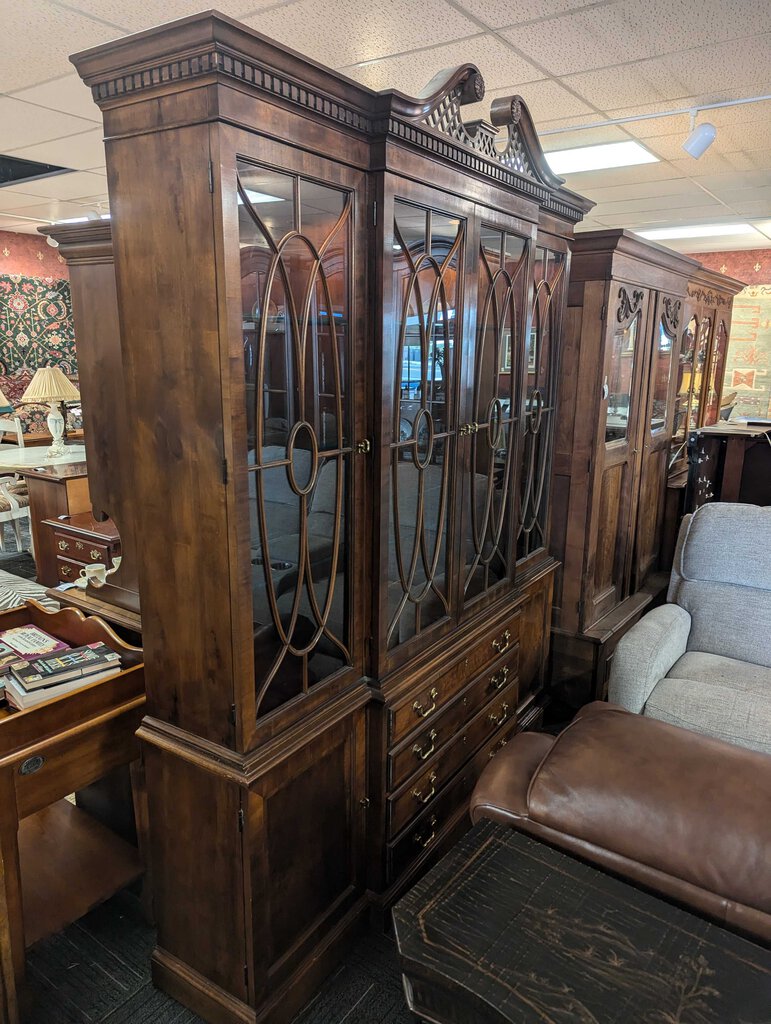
(36, 329)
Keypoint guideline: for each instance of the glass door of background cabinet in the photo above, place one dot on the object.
(489, 443)
(421, 352)
(615, 481)
(655, 431)
(540, 394)
(296, 248)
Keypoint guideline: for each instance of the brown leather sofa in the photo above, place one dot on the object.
(677, 812)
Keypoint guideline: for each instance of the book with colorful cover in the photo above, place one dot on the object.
(8, 657)
(30, 642)
(18, 697)
(77, 663)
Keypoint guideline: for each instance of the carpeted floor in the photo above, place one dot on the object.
(20, 563)
(98, 972)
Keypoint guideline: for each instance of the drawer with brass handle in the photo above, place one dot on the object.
(407, 848)
(502, 643)
(407, 758)
(437, 690)
(407, 801)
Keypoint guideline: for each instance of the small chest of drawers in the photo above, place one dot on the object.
(81, 540)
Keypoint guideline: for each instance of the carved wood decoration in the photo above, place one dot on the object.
(628, 305)
(670, 317)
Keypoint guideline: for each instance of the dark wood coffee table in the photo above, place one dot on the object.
(507, 929)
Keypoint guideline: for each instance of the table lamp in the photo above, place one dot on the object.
(5, 405)
(50, 385)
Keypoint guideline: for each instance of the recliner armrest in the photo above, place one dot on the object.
(646, 654)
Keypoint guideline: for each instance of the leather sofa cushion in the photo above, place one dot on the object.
(720, 697)
(684, 805)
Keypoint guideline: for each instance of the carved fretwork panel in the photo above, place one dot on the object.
(540, 397)
(490, 499)
(428, 247)
(295, 239)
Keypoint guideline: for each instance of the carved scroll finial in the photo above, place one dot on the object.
(506, 110)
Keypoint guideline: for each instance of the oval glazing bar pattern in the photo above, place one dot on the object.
(295, 259)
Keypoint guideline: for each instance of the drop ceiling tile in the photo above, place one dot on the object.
(717, 163)
(638, 174)
(645, 190)
(742, 65)
(77, 151)
(544, 99)
(68, 186)
(26, 125)
(43, 36)
(618, 33)
(587, 137)
(50, 211)
(718, 183)
(142, 14)
(11, 199)
(752, 207)
(69, 94)
(8, 223)
(639, 206)
(499, 13)
(658, 127)
(348, 31)
(567, 122)
(411, 72)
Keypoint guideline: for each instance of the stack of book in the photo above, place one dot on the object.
(36, 667)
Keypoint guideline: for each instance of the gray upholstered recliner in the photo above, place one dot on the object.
(703, 660)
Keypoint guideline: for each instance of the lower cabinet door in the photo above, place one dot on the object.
(304, 844)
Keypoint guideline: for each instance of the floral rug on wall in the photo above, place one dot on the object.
(36, 329)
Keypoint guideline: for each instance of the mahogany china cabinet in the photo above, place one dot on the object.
(87, 251)
(615, 419)
(341, 315)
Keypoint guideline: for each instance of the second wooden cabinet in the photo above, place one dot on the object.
(614, 430)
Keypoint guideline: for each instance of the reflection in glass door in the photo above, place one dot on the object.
(489, 493)
(295, 243)
(540, 376)
(427, 251)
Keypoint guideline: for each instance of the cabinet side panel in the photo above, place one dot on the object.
(167, 290)
(195, 852)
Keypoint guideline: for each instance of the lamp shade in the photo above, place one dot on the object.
(5, 405)
(50, 385)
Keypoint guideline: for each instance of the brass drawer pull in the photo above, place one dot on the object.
(498, 746)
(422, 754)
(429, 838)
(94, 553)
(422, 712)
(66, 570)
(432, 792)
(503, 644)
(499, 719)
(63, 545)
(498, 681)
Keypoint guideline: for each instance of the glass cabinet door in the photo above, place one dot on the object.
(490, 499)
(540, 375)
(296, 259)
(699, 369)
(427, 260)
(716, 370)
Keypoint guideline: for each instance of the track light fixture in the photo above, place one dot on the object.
(700, 139)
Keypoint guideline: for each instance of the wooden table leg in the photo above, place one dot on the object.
(11, 914)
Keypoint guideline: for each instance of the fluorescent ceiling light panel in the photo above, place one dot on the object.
(698, 231)
(259, 197)
(598, 158)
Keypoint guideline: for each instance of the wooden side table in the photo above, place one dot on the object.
(57, 861)
(54, 491)
(80, 540)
